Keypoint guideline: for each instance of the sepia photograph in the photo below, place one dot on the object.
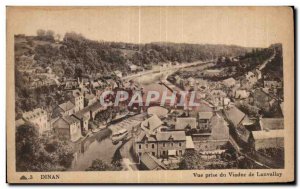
(138, 94)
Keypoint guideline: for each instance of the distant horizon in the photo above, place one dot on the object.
(166, 42)
(253, 27)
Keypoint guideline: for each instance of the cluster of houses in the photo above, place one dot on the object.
(164, 139)
(166, 134)
(71, 118)
(227, 114)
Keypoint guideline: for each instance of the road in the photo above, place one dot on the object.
(173, 67)
(261, 67)
(128, 159)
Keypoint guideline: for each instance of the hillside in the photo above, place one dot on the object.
(75, 54)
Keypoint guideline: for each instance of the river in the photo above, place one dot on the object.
(99, 146)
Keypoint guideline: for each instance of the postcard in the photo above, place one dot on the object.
(150, 95)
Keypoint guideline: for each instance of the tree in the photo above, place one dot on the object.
(40, 154)
(26, 146)
(41, 33)
(191, 160)
(50, 33)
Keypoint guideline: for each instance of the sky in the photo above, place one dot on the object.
(247, 26)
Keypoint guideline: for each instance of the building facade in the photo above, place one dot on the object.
(161, 145)
(39, 118)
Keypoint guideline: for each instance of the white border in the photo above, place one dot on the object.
(5, 3)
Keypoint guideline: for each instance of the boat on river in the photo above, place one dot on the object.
(119, 117)
(119, 135)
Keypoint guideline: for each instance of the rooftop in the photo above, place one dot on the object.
(151, 162)
(234, 115)
(183, 123)
(65, 122)
(259, 135)
(205, 115)
(34, 113)
(189, 143)
(174, 135)
(152, 123)
(67, 106)
(157, 110)
(272, 123)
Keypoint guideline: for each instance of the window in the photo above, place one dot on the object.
(140, 146)
(146, 145)
(140, 154)
(152, 145)
(164, 144)
(153, 153)
(179, 144)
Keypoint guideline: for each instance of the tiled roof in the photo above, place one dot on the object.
(234, 115)
(34, 113)
(189, 143)
(205, 115)
(157, 110)
(272, 123)
(142, 136)
(182, 123)
(152, 123)
(175, 135)
(67, 106)
(258, 135)
(70, 119)
(89, 96)
(65, 122)
(151, 162)
(95, 107)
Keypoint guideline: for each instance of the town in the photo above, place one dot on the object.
(238, 122)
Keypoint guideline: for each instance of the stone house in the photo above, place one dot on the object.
(151, 124)
(64, 109)
(204, 120)
(83, 116)
(77, 100)
(267, 139)
(68, 127)
(271, 123)
(185, 123)
(239, 122)
(215, 138)
(39, 118)
(161, 145)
